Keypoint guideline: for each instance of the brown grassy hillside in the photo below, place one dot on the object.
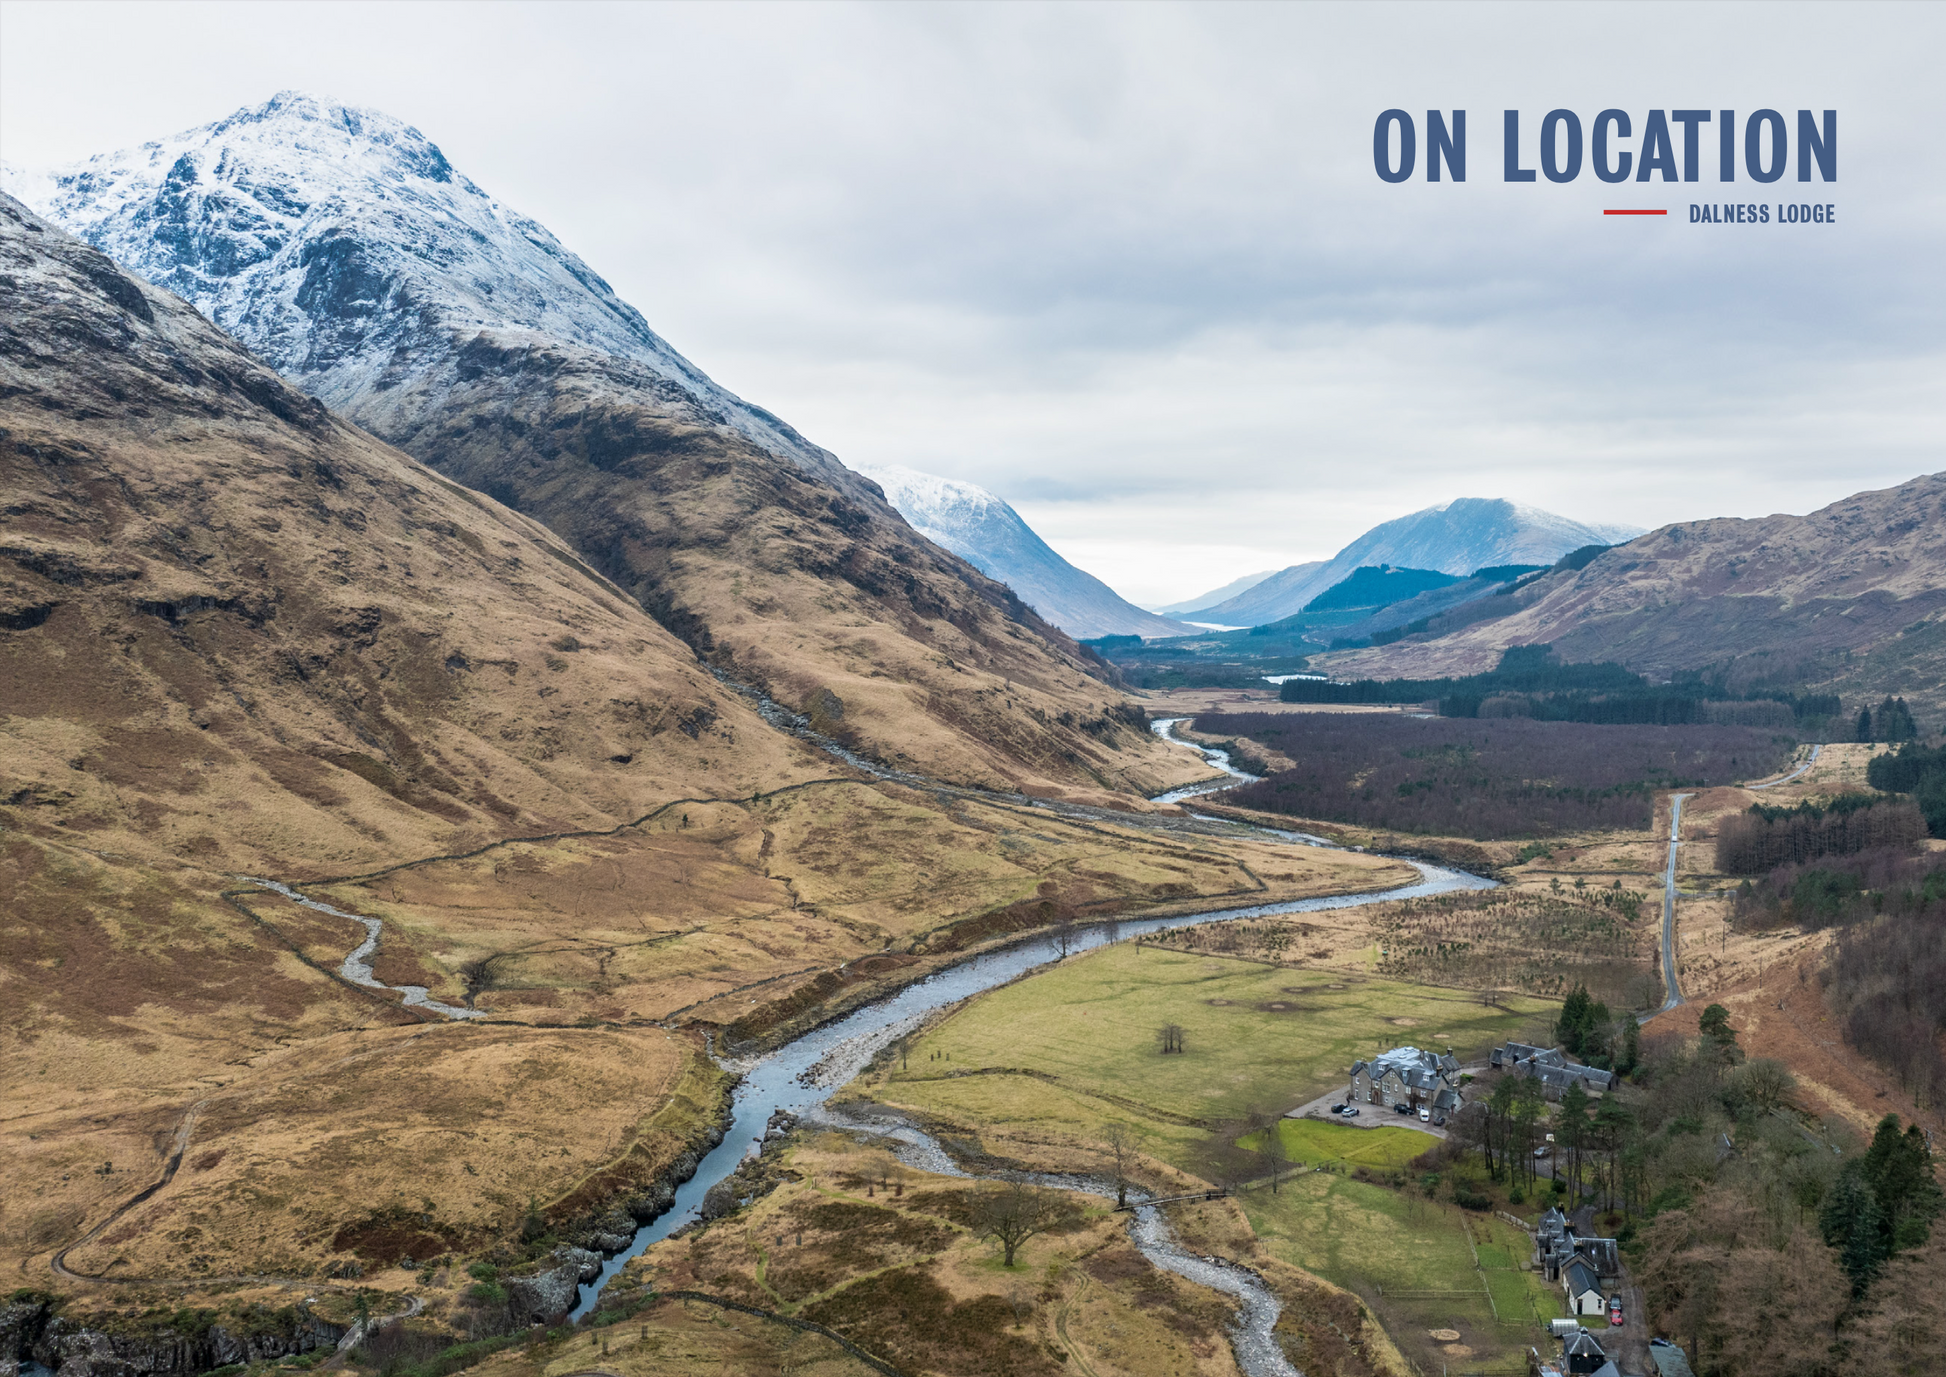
(241, 637)
(233, 628)
(794, 577)
(1851, 597)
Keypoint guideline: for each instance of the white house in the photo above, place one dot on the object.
(1583, 1287)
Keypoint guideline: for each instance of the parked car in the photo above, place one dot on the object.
(1543, 1151)
(1352, 1113)
(1340, 1107)
(1425, 1116)
(1402, 1108)
(1615, 1310)
(1439, 1121)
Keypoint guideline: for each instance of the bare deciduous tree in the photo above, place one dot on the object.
(1268, 1127)
(1763, 1084)
(1013, 1209)
(1172, 1037)
(1121, 1141)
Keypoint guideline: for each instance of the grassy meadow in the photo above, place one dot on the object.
(1258, 1037)
(1039, 1067)
(1421, 1264)
(1316, 1142)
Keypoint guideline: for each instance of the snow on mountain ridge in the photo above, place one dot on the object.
(262, 217)
(987, 533)
(1454, 537)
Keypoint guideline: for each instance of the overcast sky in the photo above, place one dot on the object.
(1131, 267)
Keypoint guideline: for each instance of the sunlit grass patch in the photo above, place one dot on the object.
(1257, 1036)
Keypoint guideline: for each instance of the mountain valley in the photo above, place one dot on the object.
(241, 638)
(486, 810)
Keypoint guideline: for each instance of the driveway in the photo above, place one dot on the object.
(1369, 1115)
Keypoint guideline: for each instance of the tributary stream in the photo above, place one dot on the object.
(801, 1075)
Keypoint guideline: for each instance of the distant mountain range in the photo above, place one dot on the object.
(1851, 598)
(1456, 537)
(1214, 596)
(990, 535)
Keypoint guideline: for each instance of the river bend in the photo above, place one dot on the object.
(801, 1075)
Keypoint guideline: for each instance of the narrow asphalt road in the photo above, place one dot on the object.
(1786, 779)
(1669, 905)
(1674, 991)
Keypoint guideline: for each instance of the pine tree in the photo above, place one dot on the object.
(1571, 1131)
(1572, 1025)
(1852, 1222)
(1718, 1036)
(1863, 732)
(1898, 1166)
(1631, 1044)
(1893, 722)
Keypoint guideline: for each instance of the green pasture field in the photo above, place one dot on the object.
(1411, 1257)
(1258, 1037)
(1317, 1143)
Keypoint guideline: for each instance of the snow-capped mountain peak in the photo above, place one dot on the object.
(991, 536)
(336, 241)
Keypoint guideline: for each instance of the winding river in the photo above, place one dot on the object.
(801, 1075)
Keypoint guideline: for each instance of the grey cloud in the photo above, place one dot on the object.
(1129, 266)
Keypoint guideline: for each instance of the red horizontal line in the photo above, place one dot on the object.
(1635, 212)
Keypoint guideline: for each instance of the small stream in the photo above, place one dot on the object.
(1252, 1334)
(801, 1075)
(357, 965)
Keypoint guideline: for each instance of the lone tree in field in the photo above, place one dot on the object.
(1120, 1140)
(1172, 1036)
(1267, 1127)
(1013, 1209)
(1065, 935)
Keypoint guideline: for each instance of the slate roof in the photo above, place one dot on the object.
(1671, 1361)
(1602, 1254)
(1582, 1345)
(1582, 1278)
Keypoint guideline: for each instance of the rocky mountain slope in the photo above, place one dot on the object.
(1849, 598)
(1455, 537)
(240, 637)
(213, 590)
(342, 245)
(990, 535)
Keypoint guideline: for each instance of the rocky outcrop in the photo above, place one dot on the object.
(614, 1230)
(549, 1294)
(31, 1331)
